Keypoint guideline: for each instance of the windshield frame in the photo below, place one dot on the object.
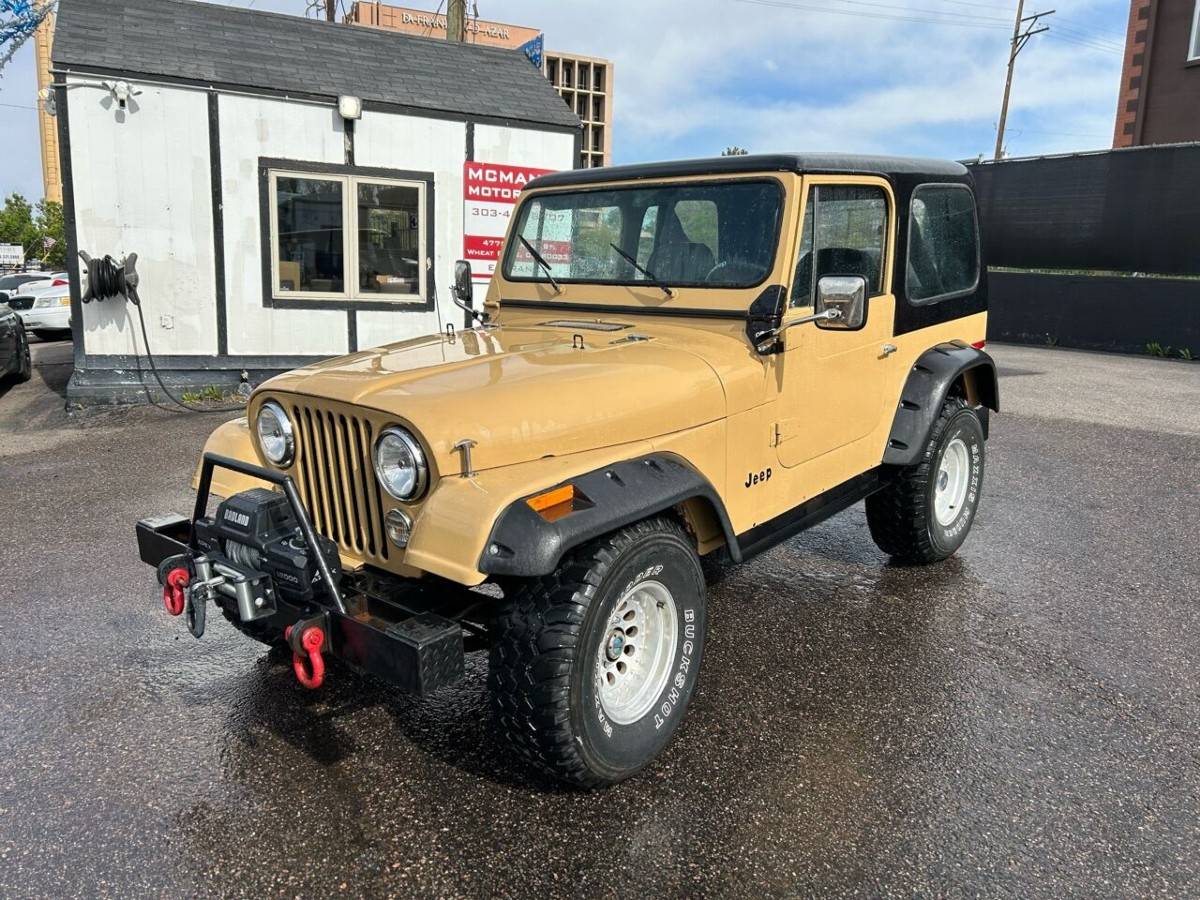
(511, 241)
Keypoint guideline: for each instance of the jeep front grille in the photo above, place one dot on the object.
(336, 477)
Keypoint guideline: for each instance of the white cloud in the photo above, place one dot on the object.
(692, 79)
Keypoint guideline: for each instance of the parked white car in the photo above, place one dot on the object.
(46, 308)
(14, 282)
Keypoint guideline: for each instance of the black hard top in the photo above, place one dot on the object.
(910, 168)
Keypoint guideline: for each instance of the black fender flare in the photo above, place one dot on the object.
(926, 389)
(524, 544)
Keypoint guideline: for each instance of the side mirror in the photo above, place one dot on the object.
(463, 289)
(845, 294)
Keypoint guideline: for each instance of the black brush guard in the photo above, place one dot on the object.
(405, 632)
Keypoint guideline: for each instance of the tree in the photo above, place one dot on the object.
(43, 236)
(52, 245)
(735, 151)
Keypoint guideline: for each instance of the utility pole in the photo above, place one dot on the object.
(1019, 40)
(456, 20)
(330, 10)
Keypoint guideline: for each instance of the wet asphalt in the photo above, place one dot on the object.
(1018, 721)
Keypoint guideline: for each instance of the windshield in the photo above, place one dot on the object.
(12, 281)
(680, 235)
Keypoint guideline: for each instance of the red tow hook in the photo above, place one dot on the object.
(173, 598)
(312, 639)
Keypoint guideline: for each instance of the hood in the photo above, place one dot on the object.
(523, 393)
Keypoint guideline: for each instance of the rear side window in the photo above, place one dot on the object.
(943, 243)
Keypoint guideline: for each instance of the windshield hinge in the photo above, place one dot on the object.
(775, 436)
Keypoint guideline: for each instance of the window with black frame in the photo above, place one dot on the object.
(846, 225)
(347, 237)
(943, 243)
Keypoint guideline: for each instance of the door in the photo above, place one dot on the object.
(831, 379)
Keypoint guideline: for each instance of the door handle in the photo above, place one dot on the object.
(887, 350)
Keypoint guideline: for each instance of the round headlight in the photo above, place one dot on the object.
(400, 464)
(275, 434)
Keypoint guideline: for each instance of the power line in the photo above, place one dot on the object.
(924, 11)
(1090, 45)
(781, 4)
(922, 15)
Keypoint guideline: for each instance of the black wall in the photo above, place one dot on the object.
(1135, 210)
(1092, 313)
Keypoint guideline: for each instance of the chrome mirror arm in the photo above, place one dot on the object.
(767, 340)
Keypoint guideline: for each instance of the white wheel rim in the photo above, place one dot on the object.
(633, 662)
(953, 477)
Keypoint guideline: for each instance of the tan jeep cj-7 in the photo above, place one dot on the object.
(674, 361)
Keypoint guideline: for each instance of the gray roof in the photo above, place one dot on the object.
(245, 48)
(808, 163)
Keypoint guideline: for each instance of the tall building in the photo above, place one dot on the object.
(43, 39)
(584, 82)
(1160, 81)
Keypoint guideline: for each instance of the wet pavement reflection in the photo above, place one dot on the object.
(1020, 720)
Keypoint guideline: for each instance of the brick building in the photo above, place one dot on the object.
(584, 82)
(1160, 81)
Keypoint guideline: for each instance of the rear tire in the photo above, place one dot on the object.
(594, 665)
(926, 513)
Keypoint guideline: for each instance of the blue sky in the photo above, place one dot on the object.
(899, 76)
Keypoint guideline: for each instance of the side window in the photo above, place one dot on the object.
(943, 243)
(847, 228)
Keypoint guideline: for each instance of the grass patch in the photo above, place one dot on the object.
(210, 394)
(1092, 273)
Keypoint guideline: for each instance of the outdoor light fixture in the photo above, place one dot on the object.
(350, 107)
(122, 92)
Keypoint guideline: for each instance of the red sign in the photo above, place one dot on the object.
(490, 191)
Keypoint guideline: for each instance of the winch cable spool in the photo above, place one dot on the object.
(107, 277)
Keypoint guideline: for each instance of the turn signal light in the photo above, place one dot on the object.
(554, 504)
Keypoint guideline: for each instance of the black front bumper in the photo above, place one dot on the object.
(407, 633)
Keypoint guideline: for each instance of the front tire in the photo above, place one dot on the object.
(25, 365)
(594, 665)
(926, 513)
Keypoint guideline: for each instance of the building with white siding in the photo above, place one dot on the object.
(274, 226)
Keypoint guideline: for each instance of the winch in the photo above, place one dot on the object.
(278, 579)
(253, 552)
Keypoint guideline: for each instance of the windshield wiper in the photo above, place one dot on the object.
(537, 258)
(659, 283)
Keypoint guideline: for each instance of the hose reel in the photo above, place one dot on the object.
(108, 277)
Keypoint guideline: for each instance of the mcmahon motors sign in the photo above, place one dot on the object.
(490, 192)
